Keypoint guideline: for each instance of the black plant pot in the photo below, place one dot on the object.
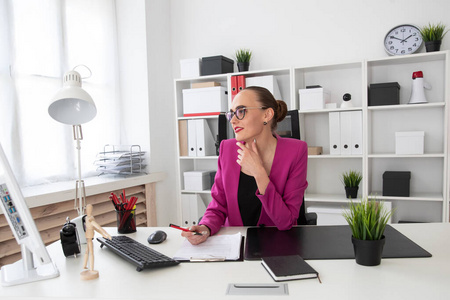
(243, 66)
(351, 192)
(433, 46)
(368, 252)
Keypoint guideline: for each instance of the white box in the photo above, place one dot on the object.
(328, 215)
(409, 142)
(315, 98)
(269, 82)
(197, 180)
(190, 67)
(204, 101)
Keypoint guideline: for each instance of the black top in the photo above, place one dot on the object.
(249, 204)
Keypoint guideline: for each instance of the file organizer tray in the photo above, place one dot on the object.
(121, 160)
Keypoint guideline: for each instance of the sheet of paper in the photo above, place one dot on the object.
(216, 247)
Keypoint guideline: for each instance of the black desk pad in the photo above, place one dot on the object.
(322, 242)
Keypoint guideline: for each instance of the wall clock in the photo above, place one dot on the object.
(403, 39)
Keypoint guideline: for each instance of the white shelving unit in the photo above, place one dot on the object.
(429, 197)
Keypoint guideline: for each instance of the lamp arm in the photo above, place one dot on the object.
(80, 192)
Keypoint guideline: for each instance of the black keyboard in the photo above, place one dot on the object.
(141, 256)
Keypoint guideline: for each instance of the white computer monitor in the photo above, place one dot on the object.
(36, 263)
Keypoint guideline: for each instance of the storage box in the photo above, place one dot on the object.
(314, 150)
(384, 93)
(315, 98)
(204, 101)
(396, 183)
(409, 142)
(197, 180)
(217, 65)
(190, 67)
(197, 85)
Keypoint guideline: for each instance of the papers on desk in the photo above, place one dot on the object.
(216, 248)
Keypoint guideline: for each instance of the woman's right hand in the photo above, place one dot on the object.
(196, 239)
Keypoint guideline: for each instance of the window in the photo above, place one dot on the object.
(46, 38)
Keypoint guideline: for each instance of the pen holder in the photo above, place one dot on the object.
(126, 221)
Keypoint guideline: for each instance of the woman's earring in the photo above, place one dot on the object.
(265, 123)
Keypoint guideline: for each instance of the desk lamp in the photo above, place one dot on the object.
(74, 106)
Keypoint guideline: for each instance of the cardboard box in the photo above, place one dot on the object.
(384, 94)
(199, 85)
(190, 67)
(396, 183)
(204, 101)
(197, 180)
(217, 65)
(315, 98)
(314, 150)
(409, 142)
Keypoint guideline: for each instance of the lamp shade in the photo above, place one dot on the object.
(72, 105)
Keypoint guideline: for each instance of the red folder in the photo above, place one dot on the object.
(241, 82)
(234, 87)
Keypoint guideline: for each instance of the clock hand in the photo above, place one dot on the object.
(404, 40)
(393, 37)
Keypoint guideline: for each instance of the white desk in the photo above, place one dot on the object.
(418, 278)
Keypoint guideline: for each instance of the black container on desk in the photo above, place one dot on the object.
(396, 183)
(384, 93)
(212, 176)
(217, 65)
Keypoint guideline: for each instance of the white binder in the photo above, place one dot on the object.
(335, 133)
(192, 139)
(346, 132)
(356, 132)
(197, 209)
(186, 209)
(192, 208)
(205, 140)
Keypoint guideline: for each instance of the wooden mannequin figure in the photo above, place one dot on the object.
(91, 225)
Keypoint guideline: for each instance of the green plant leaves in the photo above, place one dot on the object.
(367, 219)
(433, 32)
(243, 55)
(351, 178)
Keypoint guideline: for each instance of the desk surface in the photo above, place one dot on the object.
(412, 278)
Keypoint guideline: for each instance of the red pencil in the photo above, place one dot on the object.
(184, 229)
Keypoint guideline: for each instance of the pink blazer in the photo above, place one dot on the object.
(284, 194)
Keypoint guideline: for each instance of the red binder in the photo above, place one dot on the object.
(234, 87)
(241, 82)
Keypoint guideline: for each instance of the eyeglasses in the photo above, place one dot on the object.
(240, 112)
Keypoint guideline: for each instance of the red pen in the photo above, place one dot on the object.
(184, 229)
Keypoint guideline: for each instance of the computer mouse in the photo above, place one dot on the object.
(157, 237)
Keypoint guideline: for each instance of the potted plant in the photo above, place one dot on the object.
(432, 35)
(351, 181)
(367, 220)
(243, 57)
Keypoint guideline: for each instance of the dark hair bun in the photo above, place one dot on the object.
(281, 110)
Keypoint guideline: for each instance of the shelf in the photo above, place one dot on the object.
(328, 198)
(415, 197)
(408, 59)
(198, 157)
(196, 192)
(407, 106)
(327, 110)
(430, 155)
(329, 156)
(221, 77)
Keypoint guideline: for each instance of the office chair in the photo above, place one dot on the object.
(303, 217)
(306, 218)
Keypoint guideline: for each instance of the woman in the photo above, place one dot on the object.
(261, 177)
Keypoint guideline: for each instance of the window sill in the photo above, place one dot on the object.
(62, 191)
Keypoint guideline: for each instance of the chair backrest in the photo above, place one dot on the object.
(306, 218)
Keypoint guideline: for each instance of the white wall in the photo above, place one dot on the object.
(147, 91)
(290, 33)
(281, 34)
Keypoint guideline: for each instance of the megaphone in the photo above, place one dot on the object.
(418, 88)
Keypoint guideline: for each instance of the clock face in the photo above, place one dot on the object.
(403, 39)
